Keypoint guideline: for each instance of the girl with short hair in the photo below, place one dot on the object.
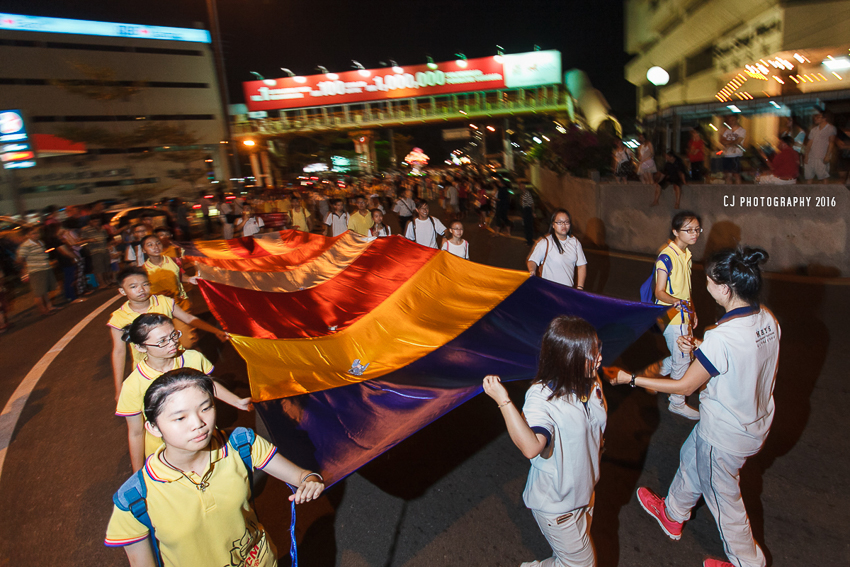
(561, 429)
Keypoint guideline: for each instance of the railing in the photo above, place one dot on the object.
(410, 111)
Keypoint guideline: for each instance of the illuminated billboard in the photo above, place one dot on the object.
(536, 68)
(17, 22)
(16, 151)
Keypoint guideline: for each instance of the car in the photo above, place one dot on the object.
(121, 218)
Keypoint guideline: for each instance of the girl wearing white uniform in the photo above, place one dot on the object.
(559, 254)
(738, 360)
(561, 430)
(456, 244)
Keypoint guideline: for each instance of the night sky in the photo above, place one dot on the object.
(264, 35)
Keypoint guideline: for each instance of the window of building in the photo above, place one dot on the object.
(699, 62)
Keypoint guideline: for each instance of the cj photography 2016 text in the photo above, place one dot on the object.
(779, 202)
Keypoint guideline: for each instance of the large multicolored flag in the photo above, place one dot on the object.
(353, 345)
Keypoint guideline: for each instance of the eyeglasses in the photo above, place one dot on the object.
(165, 341)
(691, 230)
(562, 222)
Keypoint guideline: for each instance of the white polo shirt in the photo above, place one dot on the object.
(338, 223)
(741, 353)
(422, 232)
(566, 480)
(558, 267)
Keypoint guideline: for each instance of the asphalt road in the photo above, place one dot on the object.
(451, 494)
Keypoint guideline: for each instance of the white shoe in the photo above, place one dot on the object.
(684, 410)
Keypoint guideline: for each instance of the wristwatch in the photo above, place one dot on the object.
(632, 381)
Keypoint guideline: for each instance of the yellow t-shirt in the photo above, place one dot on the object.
(680, 278)
(299, 220)
(216, 526)
(123, 316)
(283, 205)
(131, 401)
(165, 278)
(360, 223)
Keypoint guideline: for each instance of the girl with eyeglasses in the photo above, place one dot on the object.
(558, 256)
(561, 430)
(673, 288)
(153, 335)
(198, 498)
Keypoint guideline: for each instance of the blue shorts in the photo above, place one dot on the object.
(732, 164)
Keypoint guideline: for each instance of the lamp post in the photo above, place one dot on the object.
(658, 77)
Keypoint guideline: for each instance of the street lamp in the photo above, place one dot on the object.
(658, 77)
(294, 77)
(328, 74)
(431, 64)
(500, 54)
(461, 60)
(360, 68)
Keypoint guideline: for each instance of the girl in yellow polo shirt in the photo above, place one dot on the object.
(197, 486)
(154, 336)
(673, 288)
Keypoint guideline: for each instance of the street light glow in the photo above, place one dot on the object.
(249, 142)
(657, 76)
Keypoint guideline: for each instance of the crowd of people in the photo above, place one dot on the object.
(181, 461)
(819, 155)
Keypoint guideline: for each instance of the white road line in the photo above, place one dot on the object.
(15, 405)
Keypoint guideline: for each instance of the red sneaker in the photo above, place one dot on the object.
(654, 506)
(716, 563)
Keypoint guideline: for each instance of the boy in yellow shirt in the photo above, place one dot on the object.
(133, 283)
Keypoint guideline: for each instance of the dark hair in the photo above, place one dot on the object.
(788, 140)
(146, 238)
(358, 197)
(162, 229)
(130, 271)
(375, 210)
(567, 357)
(680, 218)
(552, 228)
(740, 270)
(137, 225)
(170, 382)
(420, 202)
(137, 332)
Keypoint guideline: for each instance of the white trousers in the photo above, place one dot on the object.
(677, 363)
(569, 536)
(708, 472)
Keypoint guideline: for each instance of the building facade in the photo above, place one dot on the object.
(763, 60)
(144, 100)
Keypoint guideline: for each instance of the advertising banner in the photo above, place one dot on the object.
(16, 151)
(536, 68)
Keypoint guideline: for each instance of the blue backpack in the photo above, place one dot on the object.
(131, 497)
(647, 289)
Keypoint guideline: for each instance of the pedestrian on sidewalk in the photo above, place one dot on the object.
(36, 269)
(737, 363)
(526, 199)
(560, 430)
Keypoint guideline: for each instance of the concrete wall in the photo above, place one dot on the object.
(811, 237)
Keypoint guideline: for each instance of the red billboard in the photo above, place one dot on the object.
(368, 85)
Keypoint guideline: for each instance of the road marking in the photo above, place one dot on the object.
(15, 405)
